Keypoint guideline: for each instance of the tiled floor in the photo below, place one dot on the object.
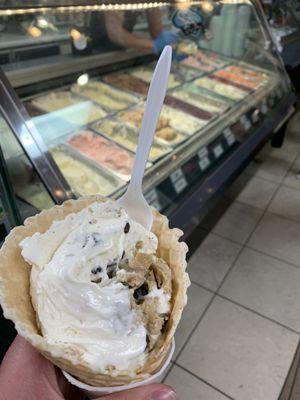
(241, 329)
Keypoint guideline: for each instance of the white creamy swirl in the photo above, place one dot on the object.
(94, 319)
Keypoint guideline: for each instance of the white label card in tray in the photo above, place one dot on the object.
(151, 196)
(245, 122)
(218, 150)
(178, 180)
(153, 200)
(229, 136)
(204, 163)
(264, 109)
(203, 152)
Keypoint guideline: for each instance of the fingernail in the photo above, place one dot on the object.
(163, 395)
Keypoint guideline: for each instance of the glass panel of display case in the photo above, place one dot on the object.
(83, 75)
(31, 193)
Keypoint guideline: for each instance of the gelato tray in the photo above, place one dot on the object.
(183, 122)
(84, 178)
(185, 73)
(108, 97)
(69, 107)
(192, 61)
(221, 88)
(250, 74)
(238, 79)
(145, 74)
(165, 133)
(197, 99)
(127, 136)
(103, 152)
(123, 80)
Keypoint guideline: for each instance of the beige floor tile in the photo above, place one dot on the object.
(267, 286)
(278, 237)
(238, 222)
(211, 261)
(287, 152)
(293, 177)
(240, 353)
(269, 166)
(286, 203)
(188, 387)
(198, 300)
(253, 191)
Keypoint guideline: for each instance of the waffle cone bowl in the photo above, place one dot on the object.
(17, 303)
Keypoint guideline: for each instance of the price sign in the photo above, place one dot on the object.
(245, 122)
(218, 150)
(204, 163)
(229, 136)
(255, 116)
(264, 109)
(203, 152)
(179, 181)
(151, 196)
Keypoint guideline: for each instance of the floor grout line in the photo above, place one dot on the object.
(204, 381)
(218, 294)
(283, 260)
(195, 327)
(258, 313)
(283, 216)
(168, 372)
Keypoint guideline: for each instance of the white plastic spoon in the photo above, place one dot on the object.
(133, 200)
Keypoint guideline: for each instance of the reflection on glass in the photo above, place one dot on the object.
(25, 181)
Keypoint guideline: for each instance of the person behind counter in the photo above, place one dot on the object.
(114, 30)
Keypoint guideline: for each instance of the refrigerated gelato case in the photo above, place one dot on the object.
(70, 121)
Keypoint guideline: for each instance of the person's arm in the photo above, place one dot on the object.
(154, 22)
(118, 35)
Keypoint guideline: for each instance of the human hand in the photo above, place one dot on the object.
(163, 39)
(26, 375)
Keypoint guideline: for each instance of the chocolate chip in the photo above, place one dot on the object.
(141, 291)
(127, 227)
(96, 270)
(98, 280)
(111, 270)
(164, 326)
(123, 254)
(96, 237)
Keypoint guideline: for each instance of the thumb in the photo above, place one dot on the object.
(150, 392)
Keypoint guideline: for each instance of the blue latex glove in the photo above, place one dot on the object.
(179, 56)
(164, 38)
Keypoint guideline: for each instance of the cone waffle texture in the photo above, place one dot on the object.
(16, 301)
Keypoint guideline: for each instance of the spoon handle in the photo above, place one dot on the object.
(154, 103)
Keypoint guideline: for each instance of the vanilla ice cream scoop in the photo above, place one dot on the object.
(98, 288)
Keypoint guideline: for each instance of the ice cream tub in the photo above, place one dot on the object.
(85, 177)
(103, 152)
(124, 81)
(127, 137)
(146, 73)
(107, 96)
(73, 108)
(167, 133)
(94, 392)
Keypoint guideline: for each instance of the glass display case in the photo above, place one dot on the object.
(74, 85)
(284, 20)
